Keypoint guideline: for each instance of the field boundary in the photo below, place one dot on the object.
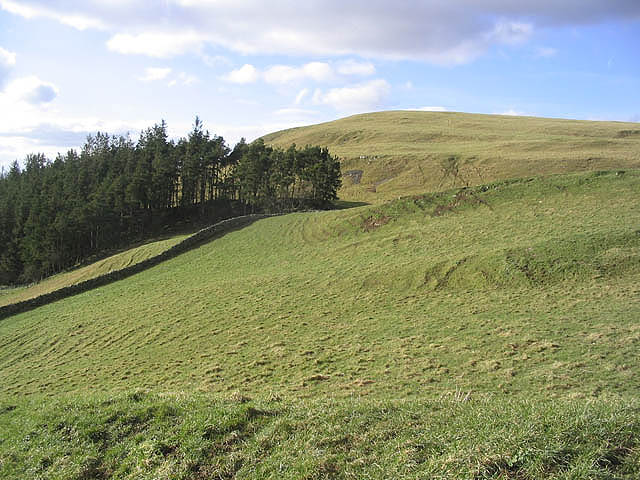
(189, 243)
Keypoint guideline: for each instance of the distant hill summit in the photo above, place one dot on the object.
(388, 154)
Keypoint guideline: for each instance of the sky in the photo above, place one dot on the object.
(249, 67)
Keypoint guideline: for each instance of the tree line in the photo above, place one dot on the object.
(114, 191)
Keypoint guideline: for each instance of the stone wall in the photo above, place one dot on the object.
(187, 244)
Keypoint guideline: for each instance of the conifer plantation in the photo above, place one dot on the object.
(54, 214)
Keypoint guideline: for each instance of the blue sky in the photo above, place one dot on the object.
(70, 68)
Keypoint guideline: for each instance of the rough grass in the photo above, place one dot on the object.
(532, 290)
(115, 262)
(150, 436)
(478, 333)
(402, 151)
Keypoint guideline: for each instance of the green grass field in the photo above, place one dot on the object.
(178, 436)
(478, 333)
(115, 262)
(399, 153)
(488, 332)
(532, 288)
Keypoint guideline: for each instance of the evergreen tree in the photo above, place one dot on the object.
(114, 191)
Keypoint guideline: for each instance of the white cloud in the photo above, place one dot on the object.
(355, 98)
(283, 74)
(301, 95)
(245, 74)
(432, 109)
(448, 33)
(7, 61)
(215, 60)
(319, 72)
(7, 58)
(156, 44)
(39, 128)
(185, 79)
(152, 74)
(352, 67)
(30, 90)
(76, 20)
(31, 122)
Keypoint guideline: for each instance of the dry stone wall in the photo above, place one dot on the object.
(187, 244)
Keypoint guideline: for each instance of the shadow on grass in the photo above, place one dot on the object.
(197, 239)
(344, 204)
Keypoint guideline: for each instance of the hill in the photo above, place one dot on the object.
(388, 154)
(520, 287)
(486, 332)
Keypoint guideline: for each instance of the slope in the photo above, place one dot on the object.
(485, 332)
(112, 263)
(387, 154)
(528, 287)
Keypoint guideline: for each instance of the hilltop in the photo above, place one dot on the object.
(388, 154)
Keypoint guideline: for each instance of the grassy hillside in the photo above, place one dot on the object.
(524, 287)
(93, 270)
(488, 332)
(400, 153)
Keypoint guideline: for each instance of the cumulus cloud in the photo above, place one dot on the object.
(319, 72)
(450, 32)
(245, 74)
(187, 79)
(152, 74)
(301, 96)
(30, 121)
(7, 61)
(184, 79)
(283, 74)
(7, 58)
(354, 98)
(80, 21)
(31, 90)
(32, 128)
(156, 44)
